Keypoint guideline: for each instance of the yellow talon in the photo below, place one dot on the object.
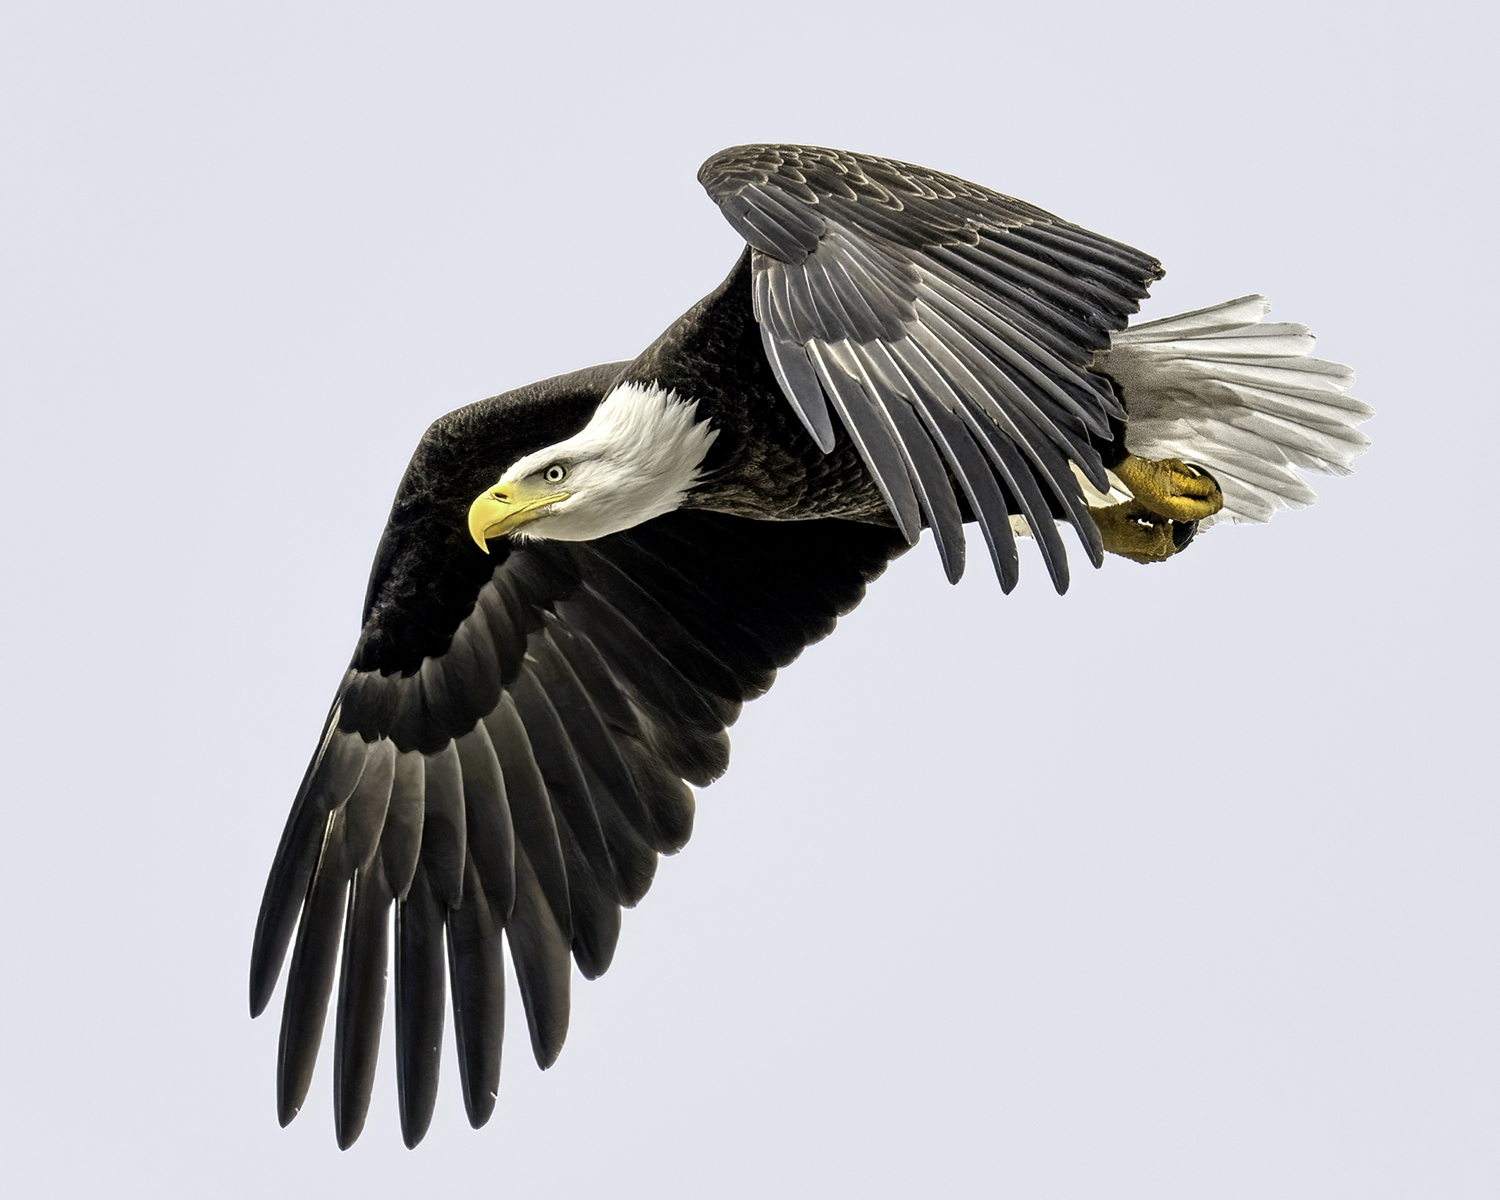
(1171, 488)
(1133, 531)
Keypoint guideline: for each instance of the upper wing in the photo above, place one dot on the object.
(521, 773)
(1242, 398)
(950, 327)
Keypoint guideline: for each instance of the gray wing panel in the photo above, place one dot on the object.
(893, 294)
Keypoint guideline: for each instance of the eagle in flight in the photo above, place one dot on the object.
(582, 580)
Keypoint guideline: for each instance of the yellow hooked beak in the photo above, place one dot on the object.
(504, 508)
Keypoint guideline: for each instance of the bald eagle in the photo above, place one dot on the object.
(582, 580)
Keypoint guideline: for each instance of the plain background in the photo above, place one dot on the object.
(1182, 885)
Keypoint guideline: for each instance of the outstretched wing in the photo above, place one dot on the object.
(522, 776)
(950, 328)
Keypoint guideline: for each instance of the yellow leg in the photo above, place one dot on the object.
(1170, 488)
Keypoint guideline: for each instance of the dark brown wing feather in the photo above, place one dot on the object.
(522, 776)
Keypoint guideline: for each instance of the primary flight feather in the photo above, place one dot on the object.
(582, 580)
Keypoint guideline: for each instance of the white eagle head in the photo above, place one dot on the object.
(636, 459)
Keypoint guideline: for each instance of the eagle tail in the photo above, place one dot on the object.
(1242, 398)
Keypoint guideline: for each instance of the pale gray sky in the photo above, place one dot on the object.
(1181, 886)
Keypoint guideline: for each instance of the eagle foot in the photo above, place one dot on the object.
(1134, 531)
(1171, 488)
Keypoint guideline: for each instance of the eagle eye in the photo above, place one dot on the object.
(556, 473)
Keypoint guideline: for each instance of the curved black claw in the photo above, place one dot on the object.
(1183, 533)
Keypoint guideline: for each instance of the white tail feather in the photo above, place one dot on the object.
(1242, 399)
